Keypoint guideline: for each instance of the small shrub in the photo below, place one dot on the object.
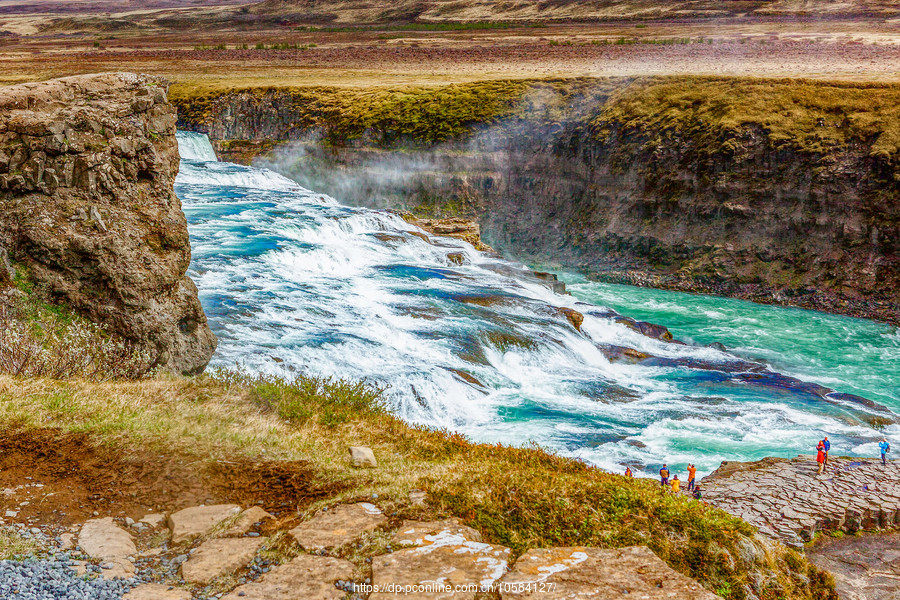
(303, 398)
(40, 340)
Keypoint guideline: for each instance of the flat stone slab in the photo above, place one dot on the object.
(595, 574)
(193, 522)
(117, 568)
(246, 521)
(155, 591)
(442, 559)
(153, 519)
(789, 501)
(426, 533)
(303, 578)
(103, 539)
(215, 558)
(338, 525)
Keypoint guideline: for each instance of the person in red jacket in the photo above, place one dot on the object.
(820, 458)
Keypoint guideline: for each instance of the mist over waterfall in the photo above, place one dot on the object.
(294, 281)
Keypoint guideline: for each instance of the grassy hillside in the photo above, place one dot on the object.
(810, 116)
(284, 443)
(523, 498)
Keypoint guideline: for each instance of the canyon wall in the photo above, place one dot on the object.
(797, 206)
(89, 215)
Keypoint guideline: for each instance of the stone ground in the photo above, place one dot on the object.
(865, 567)
(789, 501)
(350, 551)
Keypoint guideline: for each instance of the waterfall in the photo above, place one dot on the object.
(294, 282)
(195, 147)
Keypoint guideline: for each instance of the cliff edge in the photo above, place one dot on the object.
(89, 214)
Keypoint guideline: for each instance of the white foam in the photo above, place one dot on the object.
(226, 175)
(195, 146)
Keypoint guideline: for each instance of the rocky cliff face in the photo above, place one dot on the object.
(736, 212)
(754, 221)
(89, 214)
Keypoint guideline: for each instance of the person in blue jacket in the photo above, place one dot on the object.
(826, 445)
(885, 448)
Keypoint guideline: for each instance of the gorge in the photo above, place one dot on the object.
(769, 190)
(293, 280)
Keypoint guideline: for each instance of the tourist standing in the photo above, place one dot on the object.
(826, 445)
(820, 457)
(628, 472)
(676, 485)
(692, 474)
(885, 448)
(664, 475)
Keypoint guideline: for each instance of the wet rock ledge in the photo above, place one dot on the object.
(789, 501)
(88, 212)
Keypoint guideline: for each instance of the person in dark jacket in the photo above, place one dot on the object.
(664, 475)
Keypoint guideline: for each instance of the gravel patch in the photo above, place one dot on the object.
(54, 579)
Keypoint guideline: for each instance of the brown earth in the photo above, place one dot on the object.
(80, 476)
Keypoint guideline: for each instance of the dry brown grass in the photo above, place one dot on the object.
(519, 497)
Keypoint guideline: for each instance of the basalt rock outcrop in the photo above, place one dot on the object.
(89, 214)
(789, 501)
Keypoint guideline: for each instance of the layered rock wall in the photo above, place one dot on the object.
(89, 214)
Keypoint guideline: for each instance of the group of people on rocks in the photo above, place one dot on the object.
(822, 449)
(675, 484)
(824, 446)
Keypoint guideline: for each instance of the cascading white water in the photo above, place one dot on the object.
(195, 146)
(293, 281)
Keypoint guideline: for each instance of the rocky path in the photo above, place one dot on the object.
(225, 552)
(789, 501)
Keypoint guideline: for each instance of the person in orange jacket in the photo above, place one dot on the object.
(820, 458)
(692, 475)
(628, 472)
